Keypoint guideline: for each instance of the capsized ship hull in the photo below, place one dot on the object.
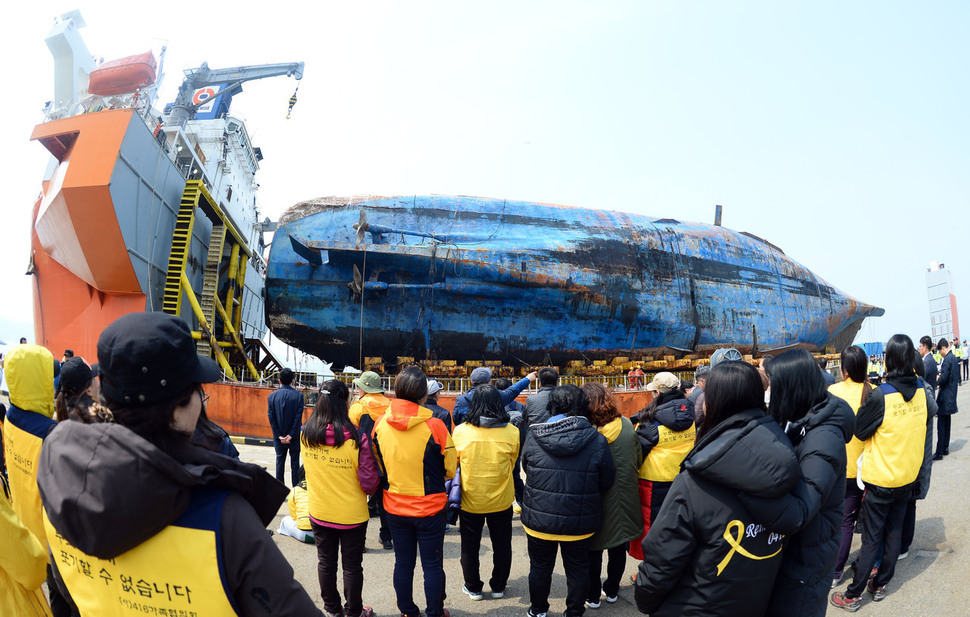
(467, 278)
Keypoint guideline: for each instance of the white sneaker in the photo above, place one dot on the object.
(592, 604)
(903, 555)
(472, 594)
(613, 599)
(498, 594)
(531, 614)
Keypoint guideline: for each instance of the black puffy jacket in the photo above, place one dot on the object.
(568, 466)
(813, 512)
(707, 554)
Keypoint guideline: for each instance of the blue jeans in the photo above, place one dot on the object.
(409, 535)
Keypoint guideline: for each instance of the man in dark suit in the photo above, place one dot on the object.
(946, 398)
(929, 362)
(285, 418)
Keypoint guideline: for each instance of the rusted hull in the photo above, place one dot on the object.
(467, 278)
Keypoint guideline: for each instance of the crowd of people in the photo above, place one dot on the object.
(737, 492)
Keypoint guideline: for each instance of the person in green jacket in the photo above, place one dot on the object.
(622, 515)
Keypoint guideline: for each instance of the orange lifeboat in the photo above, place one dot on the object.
(123, 76)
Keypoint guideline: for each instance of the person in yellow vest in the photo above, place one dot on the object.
(340, 474)
(893, 424)
(297, 523)
(23, 566)
(370, 406)
(666, 432)
(488, 446)
(138, 518)
(30, 379)
(854, 389)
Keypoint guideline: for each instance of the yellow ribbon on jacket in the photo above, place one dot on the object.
(735, 542)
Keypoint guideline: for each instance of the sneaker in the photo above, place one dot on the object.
(516, 508)
(633, 578)
(532, 613)
(847, 604)
(445, 613)
(612, 599)
(878, 593)
(474, 595)
(903, 555)
(367, 612)
(388, 545)
(498, 594)
(836, 580)
(594, 604)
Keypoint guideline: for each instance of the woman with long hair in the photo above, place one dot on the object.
(854, 389)
(416, 456)
(136, 501)
(707, 553)
(340, 474)
(818, 424)
(622, 517)
(487, 446)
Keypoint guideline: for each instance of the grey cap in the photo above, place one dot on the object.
(701, 372)
(728, 354)
(481, 375)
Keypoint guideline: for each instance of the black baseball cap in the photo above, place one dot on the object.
(75, 376)
(146, 358)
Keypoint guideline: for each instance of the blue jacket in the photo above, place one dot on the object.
(464, 401)
(286, 413)
(946, 395)
(930, 371)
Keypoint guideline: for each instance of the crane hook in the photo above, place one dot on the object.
(292, 101)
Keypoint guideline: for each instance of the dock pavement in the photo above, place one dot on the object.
(934, 580)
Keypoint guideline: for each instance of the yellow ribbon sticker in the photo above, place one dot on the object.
(738, 528)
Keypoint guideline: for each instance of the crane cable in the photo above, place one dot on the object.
(293, 100)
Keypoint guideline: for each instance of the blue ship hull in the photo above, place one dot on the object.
(464, 278)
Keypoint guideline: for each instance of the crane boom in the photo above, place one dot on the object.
(184, 109)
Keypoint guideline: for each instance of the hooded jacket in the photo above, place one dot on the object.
(668, 439)
(463, 402)
(367, 410)
(30, 377)
(108, 493)
(568, 467)
(487, 454)
(813, 512)
(23, 567)
(622, 517)
(706, 553)
(416, 455)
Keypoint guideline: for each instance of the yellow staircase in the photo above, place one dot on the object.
(210, 282)
(181, 240)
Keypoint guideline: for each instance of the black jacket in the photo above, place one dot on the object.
(691, 566)
(676, 413)
(813, 512)
(946, 394)
(930, 371)
(106, 490)
(535, 407)
(568, 465)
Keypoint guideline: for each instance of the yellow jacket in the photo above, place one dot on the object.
(23, 567)
(851, 392)
(298, 504)
(486, 456)
(367, 410)
(30, 377)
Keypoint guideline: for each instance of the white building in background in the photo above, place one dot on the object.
(943, 304)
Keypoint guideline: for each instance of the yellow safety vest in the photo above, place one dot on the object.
(175, 572)
(23, 436)
(663, 462)
(850, 392)
(332, 484)
(892, 456)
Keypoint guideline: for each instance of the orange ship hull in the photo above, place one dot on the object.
(241, 410)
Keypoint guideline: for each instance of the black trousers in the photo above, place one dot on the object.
(349, 543)
(909, 526)
(294, 449)
(943, 434)
(542, 561)
(883, 512)
(615, 566)
(500, 534)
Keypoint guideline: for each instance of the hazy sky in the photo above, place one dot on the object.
(837, 131)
